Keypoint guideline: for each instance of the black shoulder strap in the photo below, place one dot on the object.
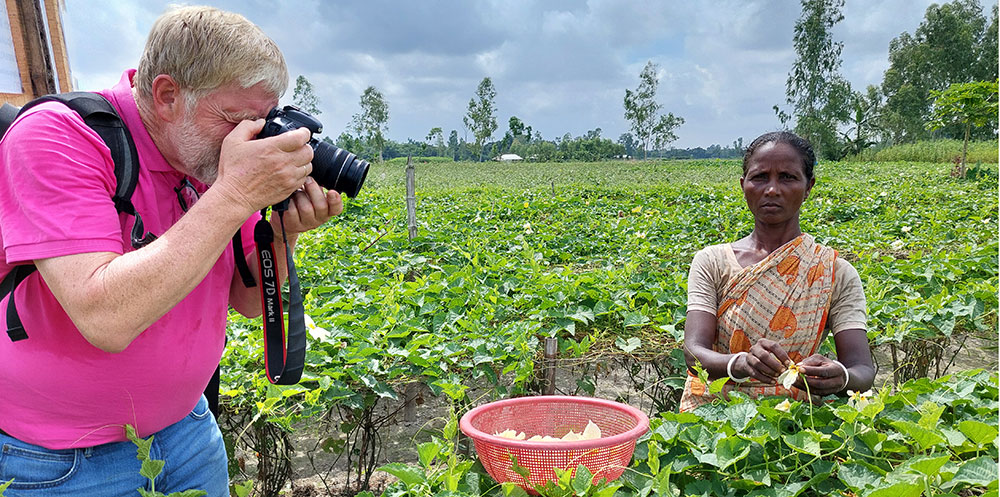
(100, 116)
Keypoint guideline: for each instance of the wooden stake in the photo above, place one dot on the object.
(411, 199)
(551, 351)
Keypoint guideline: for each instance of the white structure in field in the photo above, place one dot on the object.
(508, 157)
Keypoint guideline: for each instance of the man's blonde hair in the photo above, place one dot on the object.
(204, 48)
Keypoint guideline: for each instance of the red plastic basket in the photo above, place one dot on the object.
(554, 415)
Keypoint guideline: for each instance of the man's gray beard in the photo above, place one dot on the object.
(205, 173)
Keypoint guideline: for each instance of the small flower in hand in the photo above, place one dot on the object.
(788, 377)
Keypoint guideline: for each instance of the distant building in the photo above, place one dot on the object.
(508, 157)
(33, 58)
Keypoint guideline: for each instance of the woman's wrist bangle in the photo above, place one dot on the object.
(729, 368)
(847, 375)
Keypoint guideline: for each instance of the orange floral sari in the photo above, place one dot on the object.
(785, 298)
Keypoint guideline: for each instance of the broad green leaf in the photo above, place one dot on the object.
(520, 470)
(653, 458)
(857, 476)
(930, 413)
(980, 433)
(582, 480)
(664, 487)
(409, 475)
(901, 489)
(926, 438)
(717, 385)
(928, 465)
(805, 441)
(731, 449)
(740, 415)
(427, 451)
(979, 471)
(151, 468)
(244, 489)
(635, 318)
(513, 490)
(188, 493)
(846, 412)
(629, 346)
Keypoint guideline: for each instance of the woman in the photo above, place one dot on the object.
(766, 301)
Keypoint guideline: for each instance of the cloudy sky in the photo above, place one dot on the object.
(561, 66)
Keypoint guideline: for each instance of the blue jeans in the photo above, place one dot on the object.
(192, 448)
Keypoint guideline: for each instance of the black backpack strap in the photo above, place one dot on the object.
(15, 330)
(102, 117)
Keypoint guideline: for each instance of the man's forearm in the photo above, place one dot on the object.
(113, 298)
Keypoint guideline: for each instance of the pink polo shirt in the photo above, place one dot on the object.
(56, 389)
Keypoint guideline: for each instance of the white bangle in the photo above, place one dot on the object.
(847, 375)
(729, 368)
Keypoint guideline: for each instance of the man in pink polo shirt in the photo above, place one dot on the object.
(118, 335)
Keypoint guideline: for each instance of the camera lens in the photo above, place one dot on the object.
(337, 169)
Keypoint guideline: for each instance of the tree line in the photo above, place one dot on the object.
(941, 83)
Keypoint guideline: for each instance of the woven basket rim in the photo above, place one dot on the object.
(641, 424)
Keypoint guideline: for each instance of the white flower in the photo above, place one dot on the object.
(640, 234)
(788, 377)
(906, 229)
(883, 194)
(859, 400)
(897, 245)
(784, 406)
(316, 332)
(527, 228)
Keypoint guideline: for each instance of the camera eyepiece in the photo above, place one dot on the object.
(333, 168)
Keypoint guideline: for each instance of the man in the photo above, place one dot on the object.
(118, 335)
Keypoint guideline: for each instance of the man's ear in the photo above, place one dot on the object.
(169, 103)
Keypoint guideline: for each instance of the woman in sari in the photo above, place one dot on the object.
(767, 301)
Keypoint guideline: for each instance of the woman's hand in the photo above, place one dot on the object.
(823, 374)
(764, 362)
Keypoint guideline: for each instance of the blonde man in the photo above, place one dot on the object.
(119, 335)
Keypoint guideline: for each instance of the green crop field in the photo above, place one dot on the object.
(596, 255)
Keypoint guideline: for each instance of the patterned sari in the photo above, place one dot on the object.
(785, 298)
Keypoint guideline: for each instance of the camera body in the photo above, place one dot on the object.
(333, 168)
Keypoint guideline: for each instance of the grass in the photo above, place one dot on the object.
(937, 151)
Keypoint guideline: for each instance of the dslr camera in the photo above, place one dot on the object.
(333, 168)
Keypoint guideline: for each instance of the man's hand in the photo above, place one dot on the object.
(309, 208)
(254, 173)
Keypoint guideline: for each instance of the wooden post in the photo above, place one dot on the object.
(411, 199)
(551, 350)
(412, 388)
(553, 188)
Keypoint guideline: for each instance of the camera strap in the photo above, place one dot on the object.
(283, 359)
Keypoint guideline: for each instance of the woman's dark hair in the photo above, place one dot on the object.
(801, 145)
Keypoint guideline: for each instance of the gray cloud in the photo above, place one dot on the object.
(561, 66)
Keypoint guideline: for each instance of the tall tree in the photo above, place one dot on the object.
(953, 44)
(372, 122)
(642, 112)
(815, 91)
(435, 137)
(453, 145)
(967, 105)
(304, 96)
(481, 117)
(862, 126)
